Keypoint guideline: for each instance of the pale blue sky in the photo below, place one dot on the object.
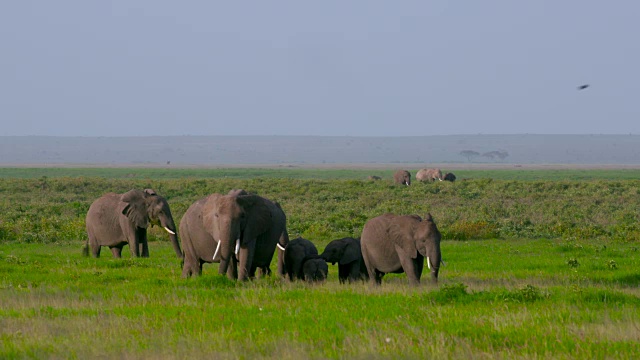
(359, 68)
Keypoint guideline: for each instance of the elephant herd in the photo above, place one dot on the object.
(403, 177)
(242, 231)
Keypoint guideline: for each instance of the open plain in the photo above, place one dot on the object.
(539, 263)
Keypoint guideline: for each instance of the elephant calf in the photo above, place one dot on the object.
(347, 253)
(399, 243)
(116, 220)
(295, 253)
(449, 177)
(314, 269)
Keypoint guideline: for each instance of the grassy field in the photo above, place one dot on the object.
(538, 267)
(509, 299)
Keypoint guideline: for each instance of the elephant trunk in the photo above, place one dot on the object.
(229, 243)
(170, 227)
(434, 260)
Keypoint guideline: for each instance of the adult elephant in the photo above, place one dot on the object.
(399, 243)
(449, 177)
(239, 230)
(347, 253)
(294, 254)
(402, 177)
(429, 175)
(116, 220)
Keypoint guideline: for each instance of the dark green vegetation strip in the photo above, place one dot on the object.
(47, 210)
(496, 299)
(308, 173)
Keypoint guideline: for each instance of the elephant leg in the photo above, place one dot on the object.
(145, 247)
(116, 251)
(376, 278)
(95, 250)
(191, 266)
(354, 271)
(409, 268)
(245, 261)
(232, 269)
(343, 273)
(418, 266)
(132, 236)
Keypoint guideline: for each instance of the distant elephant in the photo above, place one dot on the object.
(374, 177)
(314, 269)
(295, 252)
(449, 177)
(347, 253)
(239, 230)
(116, 220)
(399, 243)
(429, 175)
(402, 177)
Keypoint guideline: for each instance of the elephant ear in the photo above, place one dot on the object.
(258, 215)
(402, 234)
(150, 192)
(209, 211)
(135, 208)
(351, 253)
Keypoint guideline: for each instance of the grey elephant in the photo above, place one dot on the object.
(400, 243)
(314, 269)
(449, 177)
(424, 175)
(347, 253)
(296, 251)
(374, 177)
(116, 220)
(239, 230)
(402, 177)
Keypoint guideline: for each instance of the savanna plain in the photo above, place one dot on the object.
(539, 264)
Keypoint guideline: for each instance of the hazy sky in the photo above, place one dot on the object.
(331, 67)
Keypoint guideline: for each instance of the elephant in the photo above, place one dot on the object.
(374, 177)
(347, 253)
(296, 251)
(116, 220)
(429, 175)
(402, 177)
(239, 230)
(314, 269)
(449, 177)
(399, 243)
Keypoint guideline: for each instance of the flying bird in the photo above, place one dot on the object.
(582, 87)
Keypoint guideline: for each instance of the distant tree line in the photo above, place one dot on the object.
(491, 155)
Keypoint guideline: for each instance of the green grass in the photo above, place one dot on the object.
(496, 298)
(536, 268)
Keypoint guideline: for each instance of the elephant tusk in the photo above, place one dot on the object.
(428, 263)
(217, 249)
(169, 231)
(237, 246)
(280, 247)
